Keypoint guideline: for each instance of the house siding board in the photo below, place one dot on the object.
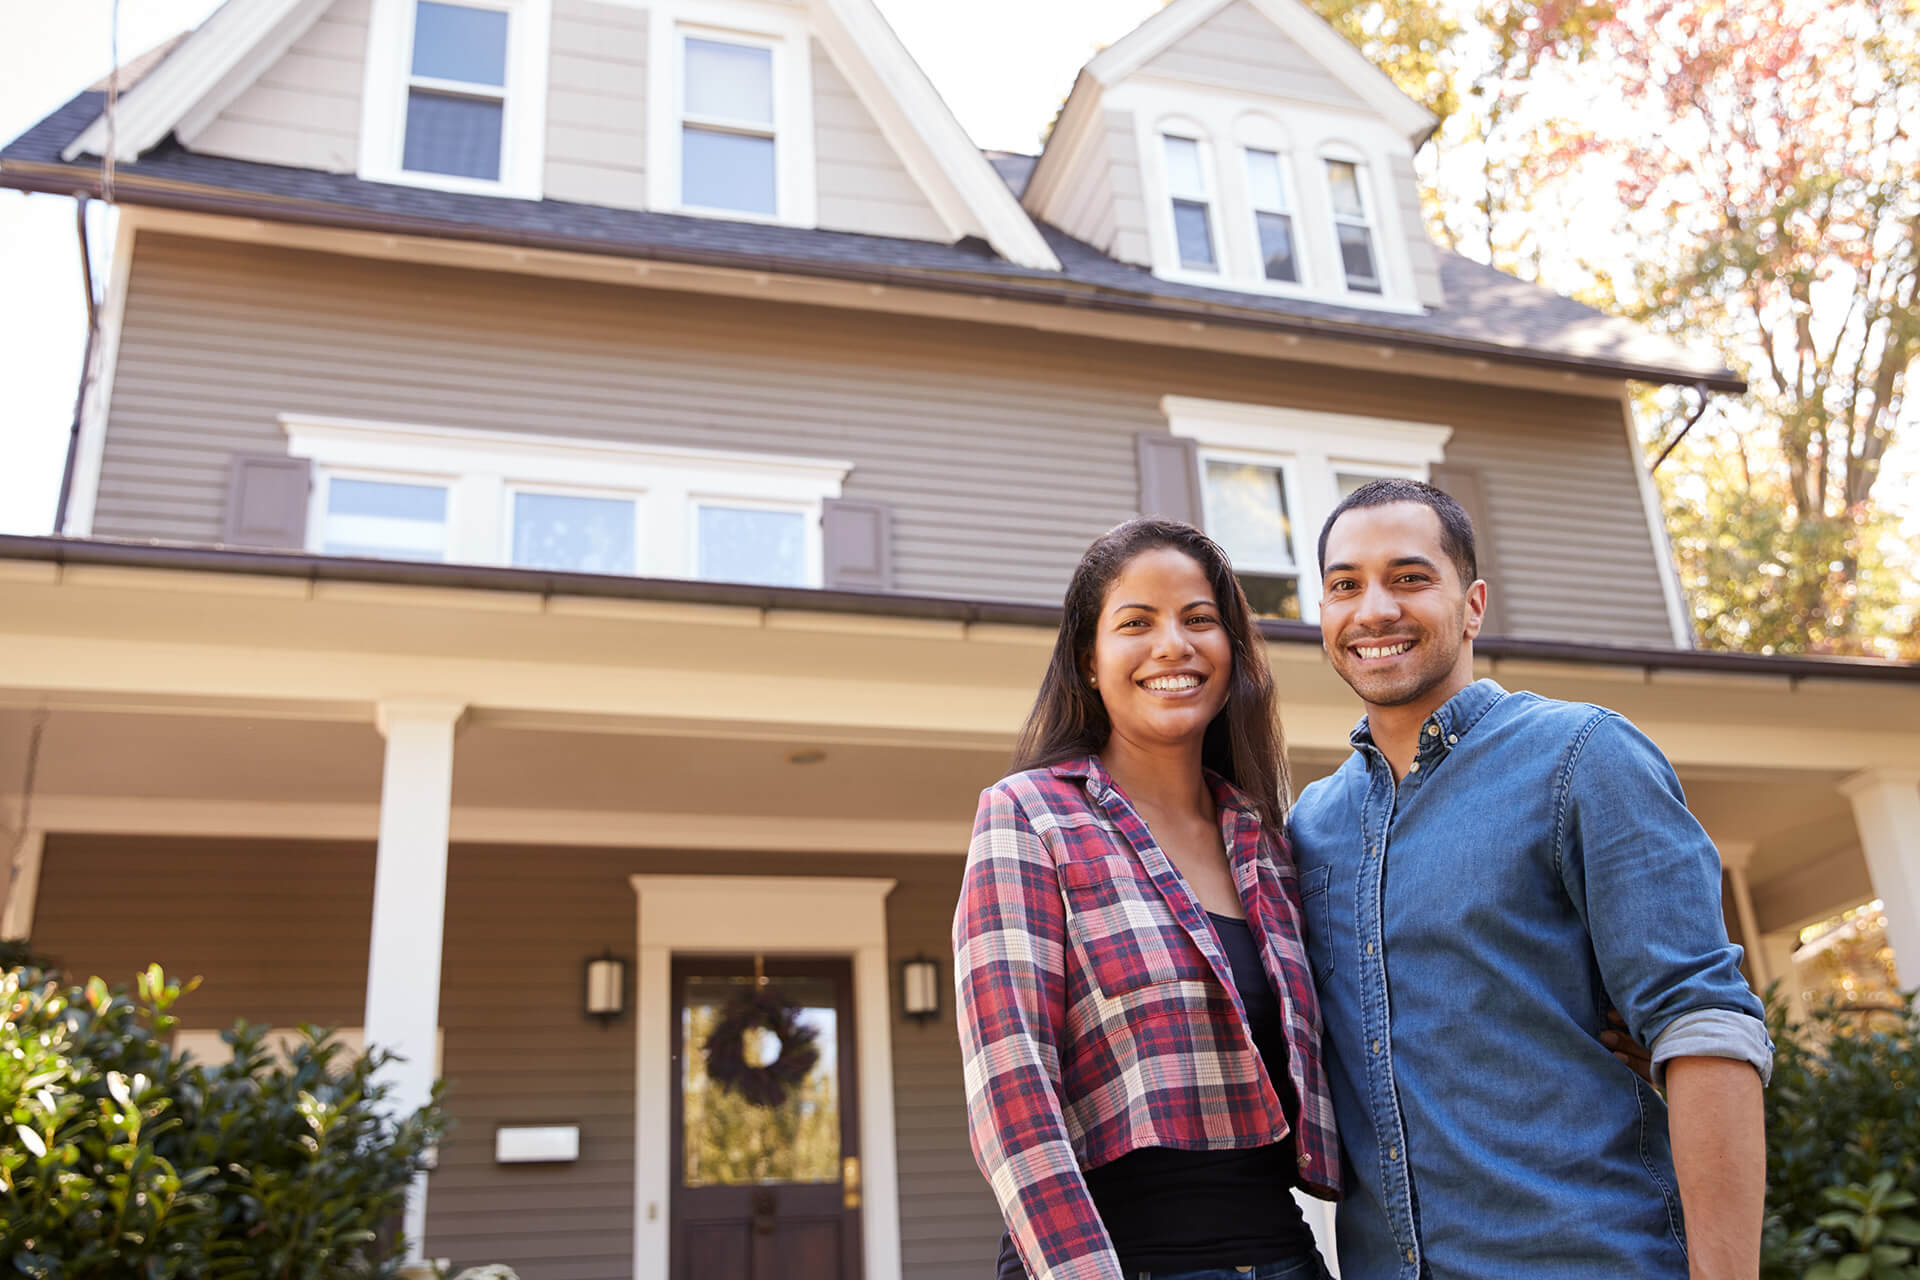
(1130, 242)
(304, 110)
(861, 182)
(280, 931)
(1001, 452)
(1238, 48)
(1413, 224)
(597, 105)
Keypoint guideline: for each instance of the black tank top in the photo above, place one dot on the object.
(1190, 1210)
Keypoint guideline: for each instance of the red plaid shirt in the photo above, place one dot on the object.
(1098, 1014)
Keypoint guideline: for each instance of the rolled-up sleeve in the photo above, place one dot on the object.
(1009, 947)
(1646, 879)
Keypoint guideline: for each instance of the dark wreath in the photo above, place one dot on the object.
(766, 1086)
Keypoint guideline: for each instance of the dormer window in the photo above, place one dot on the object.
(1192, 207)
(1353, 225)
(1272, 216)
(455, 95)
(727, 135)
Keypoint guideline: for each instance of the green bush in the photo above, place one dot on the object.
(1843, 1145)
(118, 1158)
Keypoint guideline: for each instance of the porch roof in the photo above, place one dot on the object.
(169, 557)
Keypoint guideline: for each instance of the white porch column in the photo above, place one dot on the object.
(409, 908)
(1735, 857)
(1886, 809)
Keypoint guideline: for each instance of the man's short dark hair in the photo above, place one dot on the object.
(1456, 526)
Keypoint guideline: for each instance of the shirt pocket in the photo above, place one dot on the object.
(1316, 911)
(1125, 927)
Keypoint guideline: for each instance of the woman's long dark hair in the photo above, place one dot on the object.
(1243, 744)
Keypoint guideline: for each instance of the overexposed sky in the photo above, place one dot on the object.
(1002, 65)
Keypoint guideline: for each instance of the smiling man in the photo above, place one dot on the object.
(1482, 879)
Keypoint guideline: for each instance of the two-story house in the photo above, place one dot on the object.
(580, 479)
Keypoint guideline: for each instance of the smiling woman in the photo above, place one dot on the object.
(1136, 1010)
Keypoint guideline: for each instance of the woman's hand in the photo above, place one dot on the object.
(1626, 1048)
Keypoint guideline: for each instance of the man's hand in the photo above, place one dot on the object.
(1720, 1154)
(1630, 1051)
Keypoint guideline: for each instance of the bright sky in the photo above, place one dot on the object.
(1002, 65)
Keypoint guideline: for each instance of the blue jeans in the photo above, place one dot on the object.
(1310, 1268)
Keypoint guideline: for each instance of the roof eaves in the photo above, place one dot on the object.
(172, 557)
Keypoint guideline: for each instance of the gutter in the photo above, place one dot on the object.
(86, 367)
(311, 568)
(1043, 289)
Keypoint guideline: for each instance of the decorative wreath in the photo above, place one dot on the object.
(766, 1086)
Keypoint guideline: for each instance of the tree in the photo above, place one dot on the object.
(1772, 178)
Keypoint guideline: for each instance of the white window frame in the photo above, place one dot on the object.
(1369, 220)
(812, 547)
(320, 495)
(484, 469)
(1302, 261)
(1312, 447)
(1210, 179)
(759, 23)
(523, 124)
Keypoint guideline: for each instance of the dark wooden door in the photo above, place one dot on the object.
(765, 1192)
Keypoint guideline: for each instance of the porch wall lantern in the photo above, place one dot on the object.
(606, 988)
(920, 988)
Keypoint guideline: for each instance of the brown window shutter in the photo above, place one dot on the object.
(267, 502)
(1170, 477)
(857, 543)
(1469, 490)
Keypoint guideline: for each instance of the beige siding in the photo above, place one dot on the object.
(1002, 452)
(304, 110)
(1239, 49)
(1413, 223)
(1105, 205)
(279, 929)
(862, 183)
(596, 105)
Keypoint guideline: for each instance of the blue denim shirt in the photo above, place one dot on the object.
(1468, 930)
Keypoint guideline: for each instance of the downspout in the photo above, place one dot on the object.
(1700, 389)
(86, 369)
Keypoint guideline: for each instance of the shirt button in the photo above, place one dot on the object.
(1452, 739)
(1414, 767)
(1433, 731)
(1393, 1153)
(1369, 948)
(1409, 1255)
(1376, 1046)
(1305, 1160)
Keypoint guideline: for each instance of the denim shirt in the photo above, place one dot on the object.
(1467, 929)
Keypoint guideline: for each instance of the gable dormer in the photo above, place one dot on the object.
(800, 113)
(1246, 145)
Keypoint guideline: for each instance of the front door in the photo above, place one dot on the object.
(766, 1158)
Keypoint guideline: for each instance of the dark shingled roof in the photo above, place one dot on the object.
(1486, 313)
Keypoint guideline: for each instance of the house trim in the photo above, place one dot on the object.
(91, 451)
(1672, 590)
(731, 914)
(23, 875)
(234, 38)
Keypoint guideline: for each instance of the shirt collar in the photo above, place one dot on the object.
(1446, 726)
(1100, 782)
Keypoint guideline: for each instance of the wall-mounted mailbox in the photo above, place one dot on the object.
(536, 1144)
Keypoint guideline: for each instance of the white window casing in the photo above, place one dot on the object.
(1313, 450)
(1186, 156)
(1354, 208)
(484, 473)
(784, 35)
(389, 79)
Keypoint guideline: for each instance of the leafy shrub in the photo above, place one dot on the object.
(118, 1158)
(1843, 1144)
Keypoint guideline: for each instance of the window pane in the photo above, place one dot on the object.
(453, 42)
(1344, 178)
(1263, 180)
(1247, 514)
(730, 82)
(1271, 595)
(734, 1141)
(1195, 236)
(1347, 482)
(452, 135)
(738, 544)
(585, 535)
(385, 521)
(1356, 255)
(727, 171)
(1185, 177)
(1276, 246)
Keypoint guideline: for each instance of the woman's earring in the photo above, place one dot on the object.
(1093, 682)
